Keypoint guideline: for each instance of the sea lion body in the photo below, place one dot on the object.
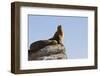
(34, 47)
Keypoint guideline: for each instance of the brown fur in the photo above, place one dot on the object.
(59, 35)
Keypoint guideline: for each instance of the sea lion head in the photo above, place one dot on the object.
(59, 27)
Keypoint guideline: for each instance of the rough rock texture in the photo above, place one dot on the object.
(46, 50)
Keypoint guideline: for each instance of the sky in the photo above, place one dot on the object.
(41, 27)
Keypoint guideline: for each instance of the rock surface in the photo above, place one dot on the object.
(46, 50)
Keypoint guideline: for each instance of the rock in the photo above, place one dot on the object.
(47, 52)
(52, 57)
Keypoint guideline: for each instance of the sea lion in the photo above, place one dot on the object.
(59, 35)
(56, 39)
